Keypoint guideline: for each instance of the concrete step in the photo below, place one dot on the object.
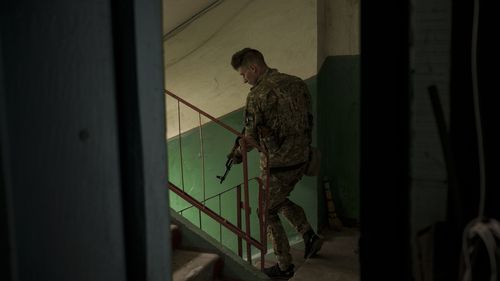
(195, 266)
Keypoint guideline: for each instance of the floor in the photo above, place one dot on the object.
(336, 261)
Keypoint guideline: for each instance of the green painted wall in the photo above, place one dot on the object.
(338, 135)
(217, 142)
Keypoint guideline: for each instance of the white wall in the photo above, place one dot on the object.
(177, 12)
(338, 28)
(198, 59)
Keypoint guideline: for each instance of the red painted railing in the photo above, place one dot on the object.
(263, 191)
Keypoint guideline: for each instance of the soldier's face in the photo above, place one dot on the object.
(249, 74)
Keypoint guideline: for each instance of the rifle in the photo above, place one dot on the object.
(230, 160)
(229, 163)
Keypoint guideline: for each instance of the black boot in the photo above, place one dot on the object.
(276, 273)
(312, 243)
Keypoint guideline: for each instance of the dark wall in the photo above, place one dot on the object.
(83, 183)
(473, 141)
(384, 146)
(338, 131)
(384, 116)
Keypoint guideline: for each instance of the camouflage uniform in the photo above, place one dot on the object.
(278, 117)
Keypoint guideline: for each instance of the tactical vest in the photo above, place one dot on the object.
(290, 115)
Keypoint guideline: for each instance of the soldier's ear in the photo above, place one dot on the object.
(252, 67)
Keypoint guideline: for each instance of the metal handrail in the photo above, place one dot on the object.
(227, 127)
(216, 217)
(216, 195)
(263, 197)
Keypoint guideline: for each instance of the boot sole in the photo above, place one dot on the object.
(316, 246)
(280, 277)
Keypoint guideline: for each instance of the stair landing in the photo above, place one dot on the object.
(336, 261)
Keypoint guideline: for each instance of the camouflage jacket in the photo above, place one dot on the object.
(278, 116)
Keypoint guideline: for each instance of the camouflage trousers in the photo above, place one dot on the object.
(280, 186)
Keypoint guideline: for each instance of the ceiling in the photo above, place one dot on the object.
(177, 12)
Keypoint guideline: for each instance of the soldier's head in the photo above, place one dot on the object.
(250, 64)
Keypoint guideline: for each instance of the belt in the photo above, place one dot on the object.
(286, 168)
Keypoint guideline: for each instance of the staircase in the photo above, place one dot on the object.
(197, 256)
(191, 265)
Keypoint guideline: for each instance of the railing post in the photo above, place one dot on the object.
(199, 215)
(238, 218)
(180, 143)
(262, 225)
(202, 159)
(243, 146)
(220, 214)
(264, 212)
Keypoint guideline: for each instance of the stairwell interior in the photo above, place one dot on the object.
(197, 70)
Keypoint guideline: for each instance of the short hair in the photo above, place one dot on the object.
(246, 56)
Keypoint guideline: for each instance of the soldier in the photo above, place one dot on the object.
(279, 120)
